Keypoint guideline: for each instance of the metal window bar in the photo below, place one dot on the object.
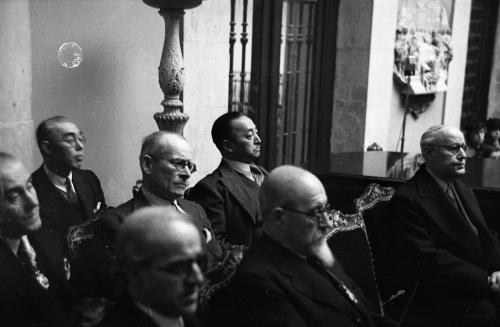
(239, 81)
(298, 25)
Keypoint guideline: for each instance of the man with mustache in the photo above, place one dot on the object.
(161, 257)
(447, 247)
(290, 277)
(68, 195)
(229, 194)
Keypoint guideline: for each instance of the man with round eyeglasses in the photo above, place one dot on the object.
(447, 247)
(166, 161)
(166, 165)
(161, 256)
(290, 277)
(68, 195)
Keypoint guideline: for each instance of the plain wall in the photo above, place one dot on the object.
(114, 93)
(16, 123)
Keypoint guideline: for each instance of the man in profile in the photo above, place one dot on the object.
(34, 289)
(290, 277)
(161, 253)
(448, 249)
(68, 195)
(229, 194)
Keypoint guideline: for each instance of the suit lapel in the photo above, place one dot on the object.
(441, 210)
(15, 277)
(84, 192)
(53, 205)
(232, 181)
(304, 278)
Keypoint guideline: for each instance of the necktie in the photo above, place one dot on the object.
(257, 174)
(70, 194)
(27, 256)
(450, 191)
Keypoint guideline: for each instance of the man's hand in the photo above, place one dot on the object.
(494, 281)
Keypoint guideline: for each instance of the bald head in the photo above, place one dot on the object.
(166, 164)
(293, 201)
(161, 250)
(145, 231)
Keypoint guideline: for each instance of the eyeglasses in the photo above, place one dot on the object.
(178, 163)
(72, 140)
(318, 213)
(453, 148)
(183, 268)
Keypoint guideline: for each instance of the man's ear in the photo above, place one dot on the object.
(147, 164)
(46, 147)
(227, 146)
(278, 218)
(428, 154)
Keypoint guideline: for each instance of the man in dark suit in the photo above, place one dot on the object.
(448, 248)
(166, 165)
(34, 289)
(68, 195)
(290, 277)
(229, 194)
(161, 255)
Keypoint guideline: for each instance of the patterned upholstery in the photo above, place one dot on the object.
(350, 241)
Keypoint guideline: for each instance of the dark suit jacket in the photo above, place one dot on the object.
(231, 207)
(95, 260)
(56, 213)
(23, 302)
(111, 219)
(441, 252)
(126, 314)
(275, 287)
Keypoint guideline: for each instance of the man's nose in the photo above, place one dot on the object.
(79, 144)
(185, 172)
(257, 139)
(196, 274)
(31, 198)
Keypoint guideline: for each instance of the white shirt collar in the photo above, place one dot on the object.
(155, 201)
(58, 181)
(241, 167)
(160, 320)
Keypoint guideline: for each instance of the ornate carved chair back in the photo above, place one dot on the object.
(350, 245)
(373, 207)
(94, 267)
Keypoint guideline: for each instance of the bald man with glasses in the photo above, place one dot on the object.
(447, 247)
(290, 277)
(166, 165)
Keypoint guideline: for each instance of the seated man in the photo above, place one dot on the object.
(229, 194)
(68, 195)
(448, 248)
(290, 277)
(161, 253)
(34, 289)
(166, 165)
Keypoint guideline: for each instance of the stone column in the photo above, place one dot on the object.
(16, 122)
(171, 70)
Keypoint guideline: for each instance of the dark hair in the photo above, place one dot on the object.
(44, 129)
(221, 130)
(492, 124)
